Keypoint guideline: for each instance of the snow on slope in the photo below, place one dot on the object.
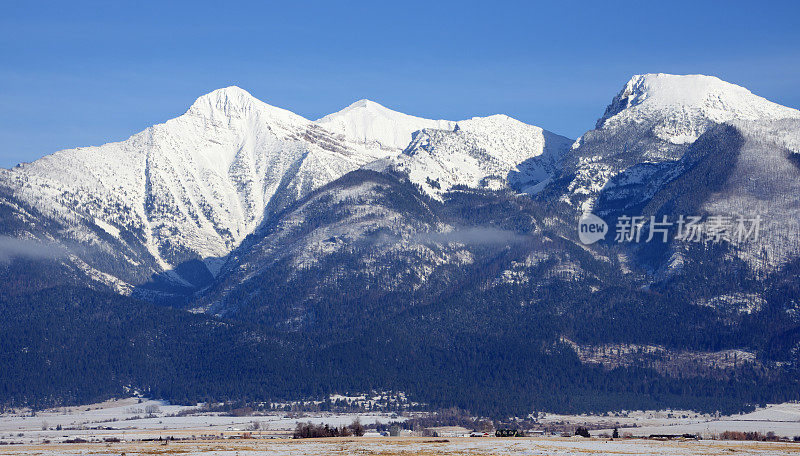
(491, 152)
(765, 182)
(195, 186)
(683, 106)
(363, 229)
(652, 120)
(192, 187)
(370, 123)
(483, 152)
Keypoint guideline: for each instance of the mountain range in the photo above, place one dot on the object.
(242, 251)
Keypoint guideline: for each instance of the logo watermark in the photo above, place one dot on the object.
(691, 228)
(591, 228)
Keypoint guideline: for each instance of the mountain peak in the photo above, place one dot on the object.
(369, 121)
(496, 119)
(231, 94)
(693, 95)
(365, 103)
(233, 101)
(232, 90)
(363, 107)
(670, 89)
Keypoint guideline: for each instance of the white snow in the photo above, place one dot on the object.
(197, 185)
(131, 418)
(782, 419)
(128, 419)
(107, 227)
(369, 122)
(654, 119)
(483, 152)
(683, 106)
(193, 186)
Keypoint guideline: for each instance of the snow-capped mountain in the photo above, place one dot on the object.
(740, 169)
(180, 196)
(374, 125)
(680, 108)
(483, 152)
(652, 121)
(691, 145)
(188, 189)
(372, 249)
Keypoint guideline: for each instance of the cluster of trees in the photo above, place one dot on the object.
(310, 430)
(582, 431)
(445, 418)
(749, 435)
(475, 351)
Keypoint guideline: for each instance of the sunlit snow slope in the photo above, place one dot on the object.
(191, 189)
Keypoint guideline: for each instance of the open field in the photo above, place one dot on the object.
(416, 446)
(133, 421)
(129, 419)
(781, 419)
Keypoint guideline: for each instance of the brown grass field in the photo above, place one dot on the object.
(413, 446)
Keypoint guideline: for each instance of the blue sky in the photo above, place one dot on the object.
(84, 73)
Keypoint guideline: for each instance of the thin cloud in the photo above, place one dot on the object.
(31, 249)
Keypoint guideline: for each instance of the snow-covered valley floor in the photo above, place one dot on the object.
(133, 420)
(781, 419)
(129, 419)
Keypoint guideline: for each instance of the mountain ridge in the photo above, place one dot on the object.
(449, 267)
(653, 119)
(194, 186)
